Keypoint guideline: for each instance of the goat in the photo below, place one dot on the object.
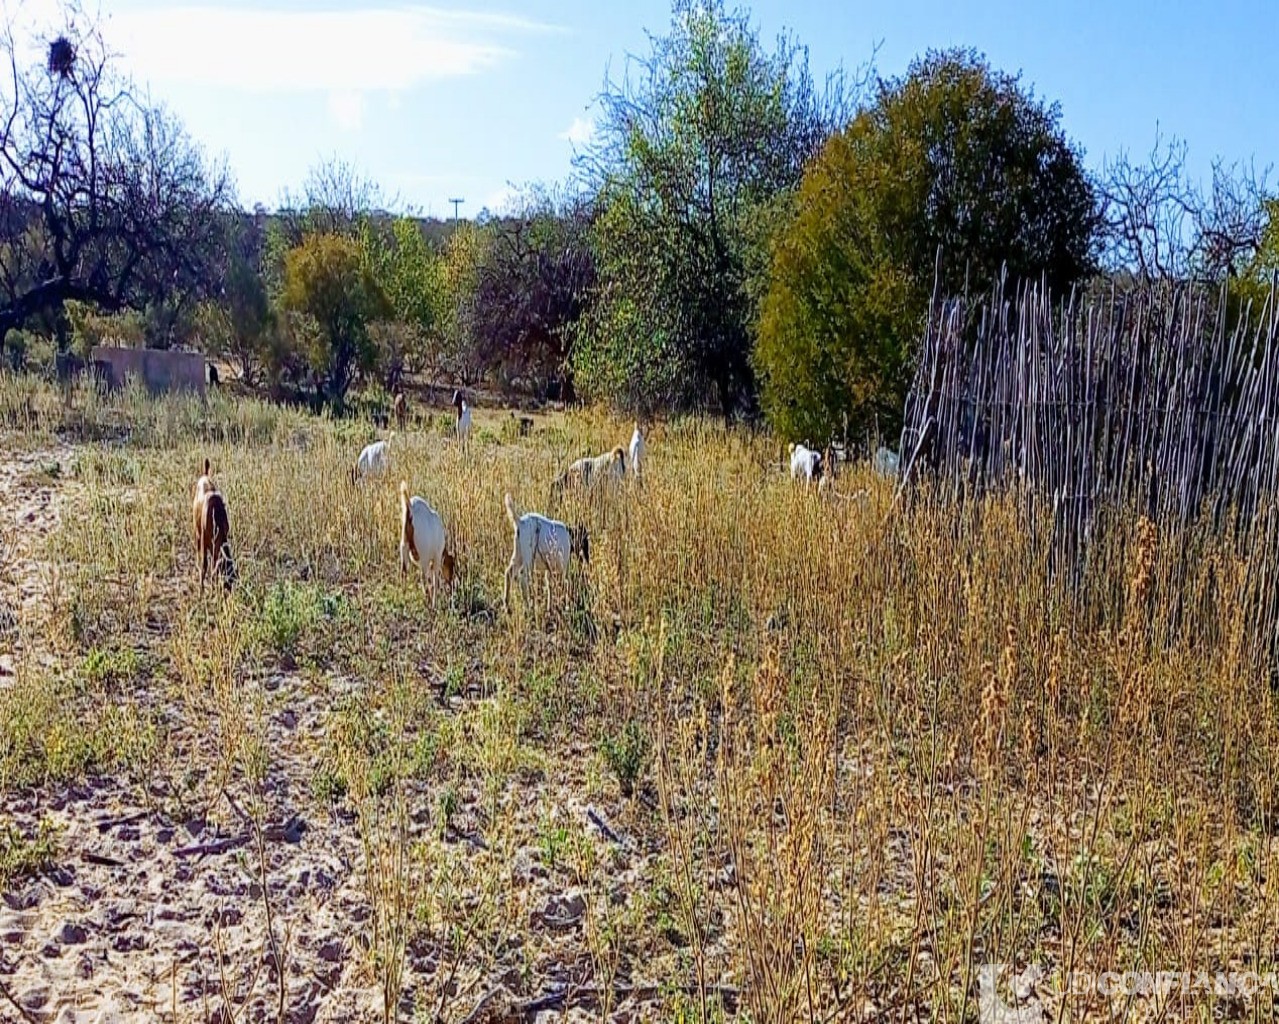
(463, 426)
(212, 531)
(537, 539)
(524, 424)
(637, 451)
(401, 410)
(585, 473)
(374, 460)
(424, 541)
(805, 464)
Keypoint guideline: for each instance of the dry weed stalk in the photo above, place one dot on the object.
(774, 780)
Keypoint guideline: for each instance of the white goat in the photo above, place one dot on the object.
(424, 541)
(374, 460)
(805, 464)
(538, 540)
(463, 427)
(637, 451)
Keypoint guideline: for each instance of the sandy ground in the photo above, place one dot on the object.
(144, 917)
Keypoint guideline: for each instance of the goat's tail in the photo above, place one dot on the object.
(511, 514)
(406, 522)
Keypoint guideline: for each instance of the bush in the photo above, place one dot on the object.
(91, 328)
(626, 754)
(954, 158)
(333, 298)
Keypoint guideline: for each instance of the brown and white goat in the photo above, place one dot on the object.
(424, 541)
(537, 540)
(401, 411)
(587, 473)
(212, 531)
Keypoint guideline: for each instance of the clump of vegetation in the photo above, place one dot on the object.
(291, 613)
(111, 669)
(22, 854)
(626, 753)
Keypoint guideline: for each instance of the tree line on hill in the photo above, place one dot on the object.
(736, 237)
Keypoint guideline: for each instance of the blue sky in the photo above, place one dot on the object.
(468, 99)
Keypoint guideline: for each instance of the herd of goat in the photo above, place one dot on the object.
(424, 540)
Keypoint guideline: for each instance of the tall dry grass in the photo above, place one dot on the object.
(871, 753)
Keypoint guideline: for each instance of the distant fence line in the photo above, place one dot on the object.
(1148, 400)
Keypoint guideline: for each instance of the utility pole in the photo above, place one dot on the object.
(456, 203)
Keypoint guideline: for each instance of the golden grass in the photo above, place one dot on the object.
(868, 755)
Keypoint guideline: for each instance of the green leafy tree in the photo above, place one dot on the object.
(411, 274)
(693, 148)
(953, 159)
(332, 298)
(239, 326)
(465, 253)
(1264, 263)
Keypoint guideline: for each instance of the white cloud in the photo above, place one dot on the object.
(505, 200)
(580, 132)
(341, 52)
(347, 109)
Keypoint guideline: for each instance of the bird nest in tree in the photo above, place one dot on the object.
(61, 56)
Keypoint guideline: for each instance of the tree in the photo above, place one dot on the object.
(954, 158)
(337, 199)
(533, 282)
(693, 146)
(239, 323)
(1158, 225)
(464, 253)
(102, 199)
(411, 275)
(332, 298)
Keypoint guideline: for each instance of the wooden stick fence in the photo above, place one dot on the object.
(1149, 402)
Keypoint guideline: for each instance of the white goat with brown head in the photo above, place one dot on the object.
(424, 541)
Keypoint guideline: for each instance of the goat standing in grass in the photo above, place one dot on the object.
(212, 531)
(401, 410)
(538, 540)
(374, 460)
(587, 473)
(637, 451)
(463, 425)
(805, 464)
(424, 541)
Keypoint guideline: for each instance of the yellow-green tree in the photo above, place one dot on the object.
(332, 298)
(410, 273)
(955, 158)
